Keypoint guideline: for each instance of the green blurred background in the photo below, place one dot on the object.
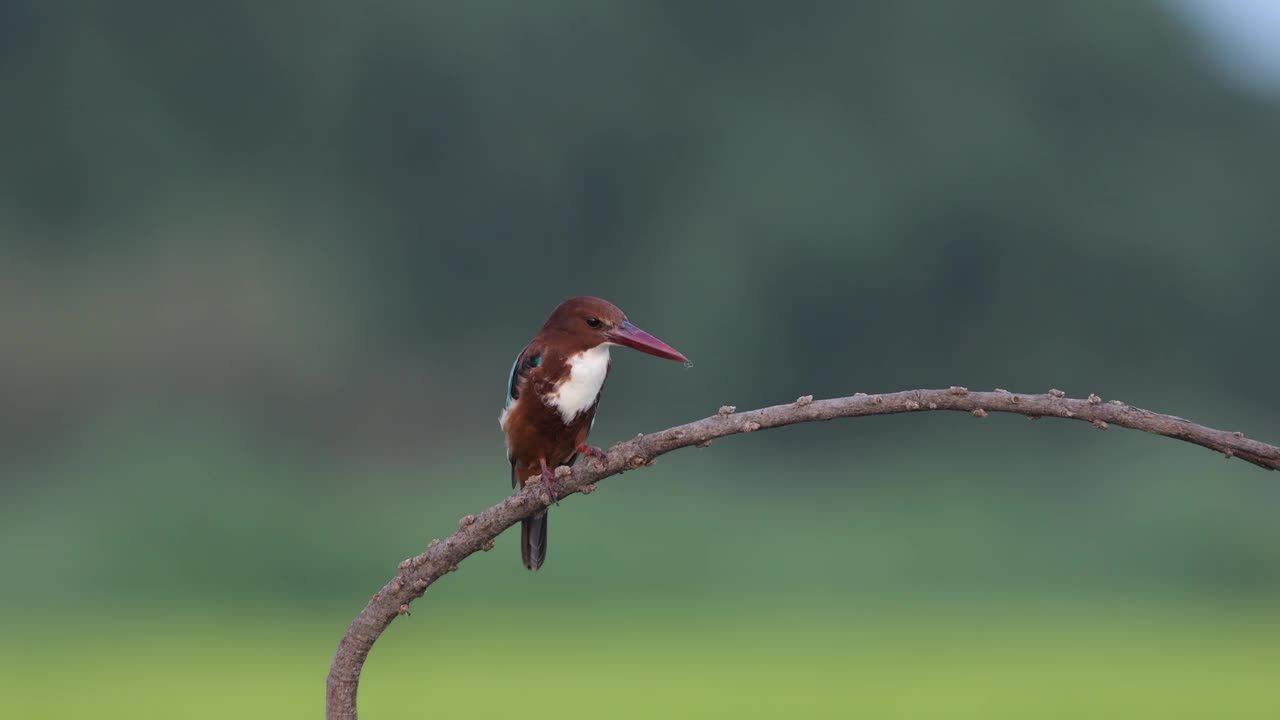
(266, 265)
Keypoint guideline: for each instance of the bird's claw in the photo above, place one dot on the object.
(548, 482)
(592, 451)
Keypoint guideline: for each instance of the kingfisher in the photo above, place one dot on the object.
(553, 393)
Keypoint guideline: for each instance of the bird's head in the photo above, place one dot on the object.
(590, 321)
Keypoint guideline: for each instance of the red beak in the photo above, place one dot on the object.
(633, 337)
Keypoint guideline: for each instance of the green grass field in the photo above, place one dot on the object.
(187, 587)
(704, 662)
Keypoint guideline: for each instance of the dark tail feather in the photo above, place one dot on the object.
(533, 540)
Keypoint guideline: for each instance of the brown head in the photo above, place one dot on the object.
(585, 322)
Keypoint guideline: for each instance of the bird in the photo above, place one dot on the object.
(552, 396)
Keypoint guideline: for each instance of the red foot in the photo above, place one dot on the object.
(548, 481)
(591, 451)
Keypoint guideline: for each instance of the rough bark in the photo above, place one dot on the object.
(477, 532)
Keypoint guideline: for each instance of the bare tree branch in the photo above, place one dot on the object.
(477, 532)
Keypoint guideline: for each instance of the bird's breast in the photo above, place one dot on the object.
(578, 390)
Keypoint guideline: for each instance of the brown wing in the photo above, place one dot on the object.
(529, 359)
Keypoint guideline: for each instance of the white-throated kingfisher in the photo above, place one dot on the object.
(552, 397)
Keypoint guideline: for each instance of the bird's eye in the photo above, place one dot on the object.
(594, 322)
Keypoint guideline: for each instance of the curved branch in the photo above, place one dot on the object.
(477, 532)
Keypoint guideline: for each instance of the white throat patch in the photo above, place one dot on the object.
(578, 392)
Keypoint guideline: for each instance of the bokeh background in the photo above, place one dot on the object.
(266, 265)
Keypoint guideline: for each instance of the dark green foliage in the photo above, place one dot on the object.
(321, 229)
